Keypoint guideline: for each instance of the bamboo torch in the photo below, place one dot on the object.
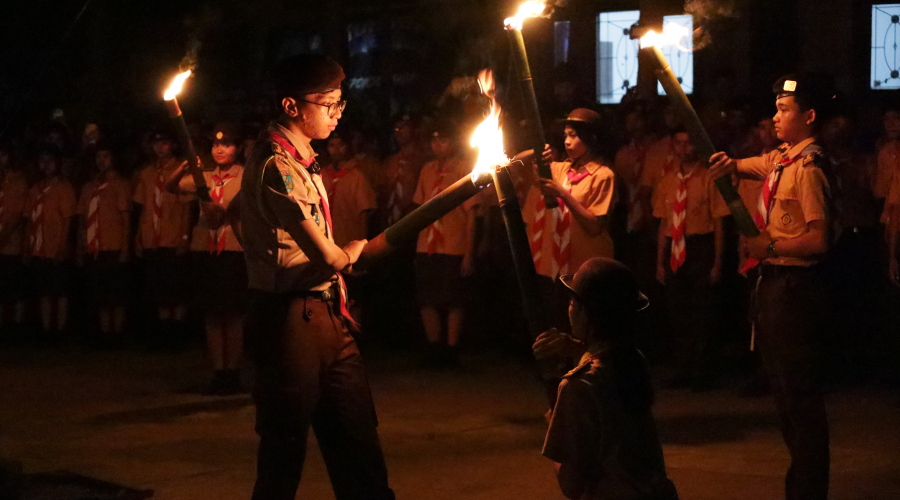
(650, 44)
(184, 137)
(531, 8)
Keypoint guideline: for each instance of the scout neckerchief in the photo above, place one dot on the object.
(37, 221)
(767, 197)
(563, 236)
(538, 231)
(217, 193)
(334, 176)
(93, 220)
(635, 209)
(435, 236)
(312, 166)
(158, 189)
(395, 211)
(679, 221)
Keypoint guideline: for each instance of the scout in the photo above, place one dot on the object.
(794, 220)
(50, 208)
(402, 169)
(104, 209)
(689, 258)
(308, 368)
(350, 195)
(163, 238)
(444, 252)
(13, 197)
(218, 267)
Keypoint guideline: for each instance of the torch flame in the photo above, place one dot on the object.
(531, 8)
(672, 34)
(488, 136)
(177, 83)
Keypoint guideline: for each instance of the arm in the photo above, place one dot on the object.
(748, 168)
(592, 224)
(811, 244)
(177, 184)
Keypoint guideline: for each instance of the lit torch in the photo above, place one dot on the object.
(184, 137)
(671, 36)
(531, 8)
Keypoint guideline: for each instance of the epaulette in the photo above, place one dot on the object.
(784, 147)
(812, 156)
(580, 368)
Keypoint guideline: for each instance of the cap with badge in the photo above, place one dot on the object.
(227, 132)
(811, 90)
(161, 135)
(444, 129)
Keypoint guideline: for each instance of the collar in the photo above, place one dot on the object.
(587, 359)
(798, 148)
(303, 148)
(590, 165)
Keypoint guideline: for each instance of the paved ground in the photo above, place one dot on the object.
(131, 418)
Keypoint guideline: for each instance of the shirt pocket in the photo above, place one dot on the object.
(787, 216)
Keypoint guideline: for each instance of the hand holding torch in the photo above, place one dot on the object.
(184, 137)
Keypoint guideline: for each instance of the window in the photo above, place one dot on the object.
(885, 72)
(561, 30)
(617, 62)
(681, 58)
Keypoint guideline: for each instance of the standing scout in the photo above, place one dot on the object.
(308, 368)
(794, 220)
(105, 211)
(402, 169)
(163, 238)
(689, 258)
(350, 195)
(50, 207)
(13, 197)
(217, 258)
(444, 253)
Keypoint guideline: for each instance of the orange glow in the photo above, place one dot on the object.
(531, 8)
(672, 35)
(177, 83)
(488, 136)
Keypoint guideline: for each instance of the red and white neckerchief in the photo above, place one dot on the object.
(563, 236)
(217, 193)
(538, 232)
(334, 177)
(93, 220)
(435, 235)
(158, 189)
(767, 200)
(679, 222)
(635, 209)
(36, 238)
(395, 211)
(310, 165)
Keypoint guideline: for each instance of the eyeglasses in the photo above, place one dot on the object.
(333, 108)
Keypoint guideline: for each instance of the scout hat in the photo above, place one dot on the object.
(606, 287)
(584, 116)
(228, 132)
(811, 90)
(306, 74)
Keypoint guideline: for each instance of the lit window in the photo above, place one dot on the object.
(885, 50)
(617, 62)
(681, 58)
(561, 30)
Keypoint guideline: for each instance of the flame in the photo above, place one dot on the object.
(672, 35)
(531, 8)
(177, 83)
(488, 136)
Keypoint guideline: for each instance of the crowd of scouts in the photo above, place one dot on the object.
(316, 192)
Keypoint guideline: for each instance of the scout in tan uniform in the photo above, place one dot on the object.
(163, 239)
(308, 368)
(219, 270)
(402, 169)
(794, 221)
(13, 198)
(350, 195)
(888, 153)
(689, 259)
(50, 208)
(445, 250)
(105, 213)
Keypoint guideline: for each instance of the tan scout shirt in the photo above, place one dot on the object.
(112, 211)
(14, 187)
(353, 197)
(201, 235)
(58, 210)
(597, 193)
(403, 168)
(802, 196)
(172, 222)
(454, 224)
(704, 202)
(660, 160)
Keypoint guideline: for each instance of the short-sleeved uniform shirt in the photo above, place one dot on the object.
(113, 205)
(802, 196)
(453, 229)
(596, 193)
(200, 238)
(403, 168)
(58, 209)
(14, 187)
(704, 202)
(349, 196)
(604, 450)
(661, 160)
(277, 191)
(173, 208)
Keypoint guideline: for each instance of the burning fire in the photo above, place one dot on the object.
(177, 83)
(488, 136)
(531, 8)
(672, 35)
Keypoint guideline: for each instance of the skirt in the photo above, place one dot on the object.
(166, 278)
(107, 280)
(220, 282)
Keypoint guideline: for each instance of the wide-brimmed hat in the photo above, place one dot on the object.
(606, 287)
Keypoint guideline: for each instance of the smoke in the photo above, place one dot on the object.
(189, 61)
(201, 24)
(706, 13)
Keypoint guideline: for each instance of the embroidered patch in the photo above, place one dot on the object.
(786, 219)
(288, 180)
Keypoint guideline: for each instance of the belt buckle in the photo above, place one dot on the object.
(326, 295)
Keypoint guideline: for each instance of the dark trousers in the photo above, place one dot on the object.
(791, 306)
(309, 373)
